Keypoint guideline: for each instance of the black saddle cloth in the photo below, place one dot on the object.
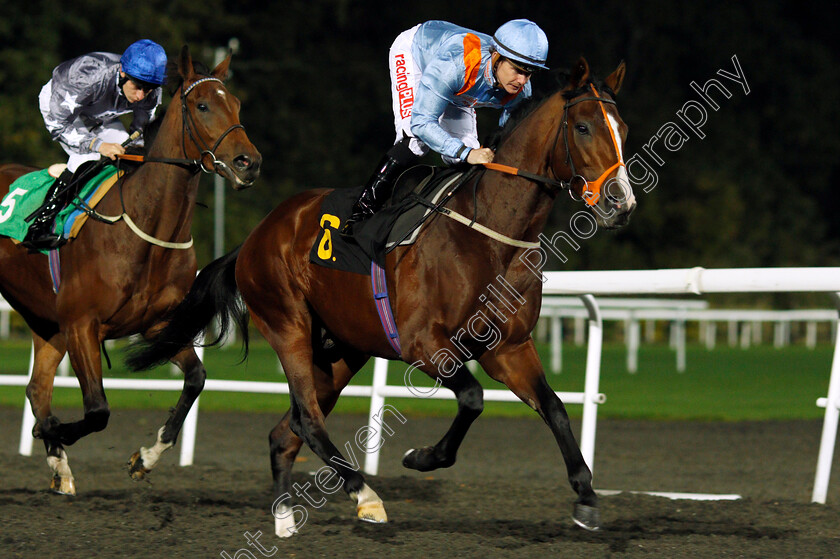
(396, 224)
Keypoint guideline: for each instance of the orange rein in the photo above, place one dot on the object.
(130, 157)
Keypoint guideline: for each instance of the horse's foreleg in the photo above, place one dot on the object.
(470, 397)
(520, 369)
(143, 461)
(48, 356)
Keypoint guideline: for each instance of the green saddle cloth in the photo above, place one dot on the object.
(27, 194)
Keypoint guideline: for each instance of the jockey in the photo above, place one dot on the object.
(439, 73)
(81, 105)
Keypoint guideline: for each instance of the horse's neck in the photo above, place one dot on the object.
(160, 197)
(514, 206)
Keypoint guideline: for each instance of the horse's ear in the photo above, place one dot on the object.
(185, 65)
(615, 79)
(580, 73)
(221, 71)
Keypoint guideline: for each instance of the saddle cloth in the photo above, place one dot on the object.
(397, 224)
(27, 194)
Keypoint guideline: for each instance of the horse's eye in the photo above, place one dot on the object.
(581, 129)
(202, 107)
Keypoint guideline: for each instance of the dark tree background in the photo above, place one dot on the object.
(761, 189)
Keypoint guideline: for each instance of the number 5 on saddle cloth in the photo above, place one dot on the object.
(26, 196)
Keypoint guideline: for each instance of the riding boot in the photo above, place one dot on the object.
(380, 185)
(40, 235)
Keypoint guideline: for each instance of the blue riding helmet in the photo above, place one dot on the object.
(522, 41)
(145, 60)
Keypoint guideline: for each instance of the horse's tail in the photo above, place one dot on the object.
(213, 294)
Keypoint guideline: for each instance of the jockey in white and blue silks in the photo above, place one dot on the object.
(440, 73)
(81, 106)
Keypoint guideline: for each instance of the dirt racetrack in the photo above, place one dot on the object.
(506, 497)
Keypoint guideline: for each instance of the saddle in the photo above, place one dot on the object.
(26, 195)
(417, 191)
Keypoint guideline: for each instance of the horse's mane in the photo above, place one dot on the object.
(544, 85)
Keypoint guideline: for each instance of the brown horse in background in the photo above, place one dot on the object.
(115, 284)
(572, 138)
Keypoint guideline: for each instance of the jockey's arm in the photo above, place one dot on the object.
(428, 107)
(435, 92)
(74, 86)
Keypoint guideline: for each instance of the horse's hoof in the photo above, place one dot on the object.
(285, 527)
(136, 470)
(424, 460)
(63, 485)
(588, 518)
(372, 512)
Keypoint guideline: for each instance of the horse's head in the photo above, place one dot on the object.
(591, 151)
(213, 134)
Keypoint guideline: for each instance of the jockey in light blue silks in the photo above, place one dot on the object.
(81, 105)
(440, 73)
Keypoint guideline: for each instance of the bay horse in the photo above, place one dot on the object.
(113, 282)
(436, 284)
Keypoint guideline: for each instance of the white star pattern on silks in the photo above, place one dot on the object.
(73, 137)
(70, 102)
(51, 124)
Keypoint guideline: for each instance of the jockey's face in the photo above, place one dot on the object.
(511, 78)
(132, 91)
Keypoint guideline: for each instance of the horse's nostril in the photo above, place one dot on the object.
(242, 161)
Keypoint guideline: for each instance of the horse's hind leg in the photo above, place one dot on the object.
(470, 397)
(289, 334)
(142, 461)
(520, 369)
(285, 445)
(86, 359)
(48, 355)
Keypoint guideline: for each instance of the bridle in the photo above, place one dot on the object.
(590, 191)
(189, 126)
(195, 165)
(189, 130)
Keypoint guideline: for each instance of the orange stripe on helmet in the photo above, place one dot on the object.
(472, 61)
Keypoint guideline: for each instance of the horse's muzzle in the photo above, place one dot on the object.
(245, 170)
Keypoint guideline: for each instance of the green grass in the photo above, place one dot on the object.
(727, 383)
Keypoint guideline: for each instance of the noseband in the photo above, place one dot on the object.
(189, 127)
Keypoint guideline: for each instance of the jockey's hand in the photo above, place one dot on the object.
(480, 155)
(111, 150)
